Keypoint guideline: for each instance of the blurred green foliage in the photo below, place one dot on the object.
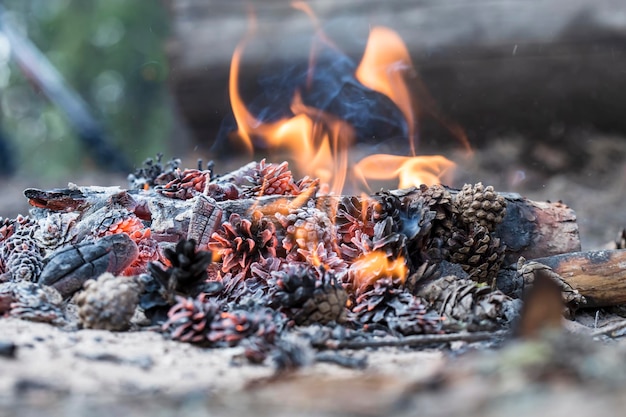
(112, 53)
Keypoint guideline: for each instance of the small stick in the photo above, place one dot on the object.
(416, 340)
(607, 330)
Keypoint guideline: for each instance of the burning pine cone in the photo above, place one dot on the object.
(240, 242)
(305, 228)
(108, 303)
(309, 296)
(271, 179)
(188, 271)
(480, 205)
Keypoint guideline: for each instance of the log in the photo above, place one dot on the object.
(539, 67)
(599, 276)
(530, 229)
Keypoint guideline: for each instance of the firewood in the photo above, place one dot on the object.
(530, 228)
(599, 276)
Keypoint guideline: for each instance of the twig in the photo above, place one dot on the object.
(341, 360)
(607, 330)
(417, 340)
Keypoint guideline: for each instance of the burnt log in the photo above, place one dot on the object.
(530, 229)
(599, 276)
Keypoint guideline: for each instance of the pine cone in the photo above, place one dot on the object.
(153, 300)
(185, 184)
(108, 303)
(53, 230)
(22, 257)
(33, 302)
(384, 239)
(309, 296)
(481, 205)
(305, 228)
(439, 200)
(366, 271)
(271, 179)
(148, 252)
(151, 172)
(241, 242)
(190, 319)
(115, 220)
(354, 214)
(386, 204)
(231, 327)
(372, 304)
(479, 254)
(410, 316)
(188, 271)
(465, 303)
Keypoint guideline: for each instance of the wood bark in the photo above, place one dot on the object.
(599, 276)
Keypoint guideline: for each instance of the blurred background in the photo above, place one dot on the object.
(536, 86)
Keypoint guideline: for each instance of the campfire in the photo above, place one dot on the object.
(248, 256)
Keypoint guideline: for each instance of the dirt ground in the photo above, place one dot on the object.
(97, 373)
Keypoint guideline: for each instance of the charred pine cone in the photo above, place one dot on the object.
(21, 258)
(354, 214)
(480, 205)
(308, 296)
(466, 304)
(32, 302)
(392, 307)
(187, 272)
(479, 253)
(231, 327)
(189, 320)
(54, 230)
(151, 172)
(241, 242)
(108, 303)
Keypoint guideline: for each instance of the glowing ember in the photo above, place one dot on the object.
(318, 141)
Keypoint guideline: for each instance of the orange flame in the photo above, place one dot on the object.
(411, 171)
(318, 142)
(373, 266)
(383, 67)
